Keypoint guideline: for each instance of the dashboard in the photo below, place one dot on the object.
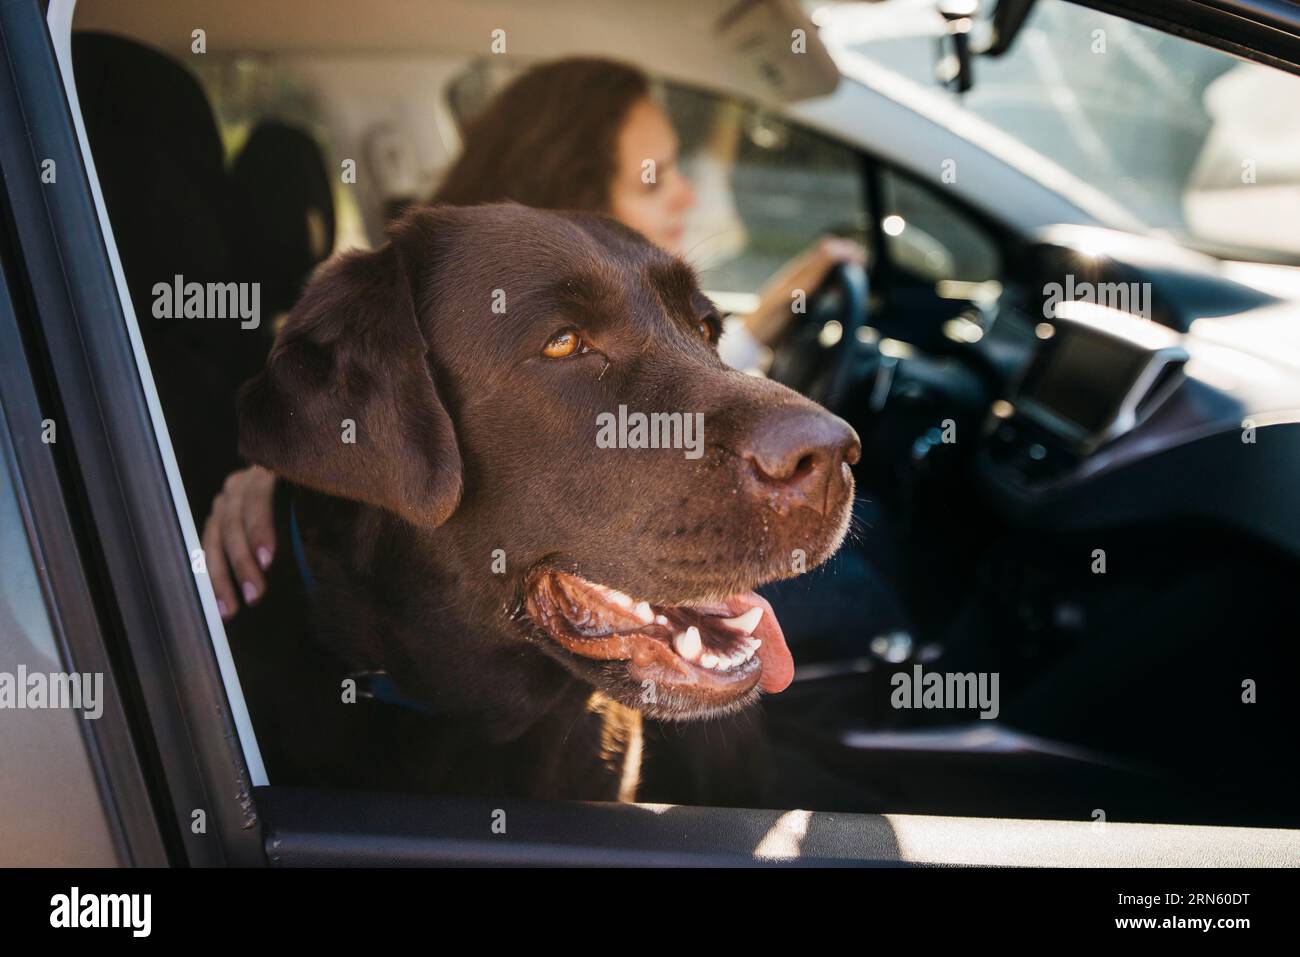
(1141, 386)
(1097, 374)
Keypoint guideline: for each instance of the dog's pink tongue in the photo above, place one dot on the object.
(778, 664)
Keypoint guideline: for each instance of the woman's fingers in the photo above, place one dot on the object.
(828, 252)
(841, 250)
(214, 558)
(258, 514)
(234, 539)
(239, 538)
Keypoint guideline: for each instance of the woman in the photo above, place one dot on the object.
(573, 134)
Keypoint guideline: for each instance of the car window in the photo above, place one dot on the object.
(1190, 139)
(767, 189)
(929, 237)
(48, 780)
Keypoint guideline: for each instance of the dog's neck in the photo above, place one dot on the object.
(391, 598)
(494, 716)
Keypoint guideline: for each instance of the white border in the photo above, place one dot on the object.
(59, 22)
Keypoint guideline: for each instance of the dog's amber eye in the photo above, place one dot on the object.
(562, 345)
(705, 331)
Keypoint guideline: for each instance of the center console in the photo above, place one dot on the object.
(1098, 374)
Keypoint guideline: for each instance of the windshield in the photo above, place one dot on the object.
(1190, 140)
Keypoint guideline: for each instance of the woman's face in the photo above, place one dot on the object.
(652, 199)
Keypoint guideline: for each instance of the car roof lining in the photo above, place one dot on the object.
(737, 47)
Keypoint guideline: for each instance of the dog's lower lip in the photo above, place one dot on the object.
(709, 645)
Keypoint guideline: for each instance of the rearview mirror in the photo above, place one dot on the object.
(954, 66)
(1008, 17)
(968, 35)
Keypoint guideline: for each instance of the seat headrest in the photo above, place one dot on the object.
(287, 221)
(158, 154)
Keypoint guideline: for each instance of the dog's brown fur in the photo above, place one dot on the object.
(468, 441)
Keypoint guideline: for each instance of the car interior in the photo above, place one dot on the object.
(1094, 500)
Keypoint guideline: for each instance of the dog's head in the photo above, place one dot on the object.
(543, 391)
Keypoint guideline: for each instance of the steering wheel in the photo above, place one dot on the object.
(818, 351)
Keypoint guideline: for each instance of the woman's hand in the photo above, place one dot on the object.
(241, 531)
(804, 273)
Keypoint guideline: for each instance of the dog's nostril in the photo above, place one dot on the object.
(789, 469)
(801, 454)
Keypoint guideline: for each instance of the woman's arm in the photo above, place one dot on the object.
(745, 339)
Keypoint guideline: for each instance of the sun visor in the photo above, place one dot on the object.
(778, 47)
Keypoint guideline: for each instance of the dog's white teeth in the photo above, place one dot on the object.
(747, 622)
(688, 644)
(717, 662)
(643, 613)
(660, 620)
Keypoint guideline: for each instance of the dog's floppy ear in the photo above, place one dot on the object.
(347, 403)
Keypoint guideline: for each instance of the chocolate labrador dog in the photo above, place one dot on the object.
(527, 491)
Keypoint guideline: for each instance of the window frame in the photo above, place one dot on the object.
(33, 471)
(184, 723)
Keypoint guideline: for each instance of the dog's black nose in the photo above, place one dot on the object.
(798, 455)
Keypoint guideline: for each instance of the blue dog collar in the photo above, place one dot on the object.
(378, 686)
(371, 685)
(299, 555)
